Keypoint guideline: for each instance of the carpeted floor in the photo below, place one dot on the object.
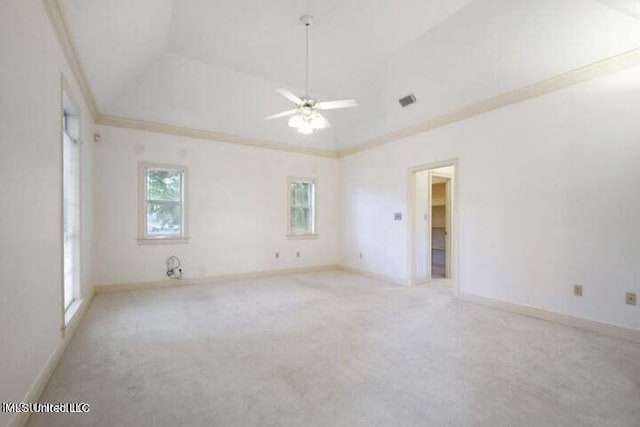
(335, 349)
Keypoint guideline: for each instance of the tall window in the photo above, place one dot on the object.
(302, 207)
(163, 202)
(71, 202)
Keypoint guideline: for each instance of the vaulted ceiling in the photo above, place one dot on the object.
(214, 64)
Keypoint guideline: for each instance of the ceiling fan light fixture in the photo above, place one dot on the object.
(305, 128)
(318, 122)
(296, 121)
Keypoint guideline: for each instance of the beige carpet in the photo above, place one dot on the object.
(334, 349)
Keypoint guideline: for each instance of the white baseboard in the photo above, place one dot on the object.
(36, 389)
(372, 275)
(617, 331)
(623, 332)
(121, 287)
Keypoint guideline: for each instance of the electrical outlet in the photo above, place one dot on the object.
(577, 290)
(277, 254)
(631, 298)
(298, 254)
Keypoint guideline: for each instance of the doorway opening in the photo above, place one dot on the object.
(440, 225)
(433, 224)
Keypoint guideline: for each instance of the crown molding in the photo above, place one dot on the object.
(144, 125)
(579, 75)
(56, 15)
(58, 21)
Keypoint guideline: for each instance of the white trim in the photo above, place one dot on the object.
(314, 210)
(70, 313)
(302, 236)
(165, 241)
(209, 135)
(617, 331)
(122, 287)
(606, 66)
(38, 386)
(58, 20)
(609, 329)
(143, 238)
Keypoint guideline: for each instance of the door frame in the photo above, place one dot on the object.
(453, 252)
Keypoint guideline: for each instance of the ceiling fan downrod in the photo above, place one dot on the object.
(307, 20)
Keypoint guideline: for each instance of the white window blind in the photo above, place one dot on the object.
(71, 208)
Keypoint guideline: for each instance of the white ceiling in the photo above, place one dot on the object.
(117, 40)
(267, 39)
(213, 64)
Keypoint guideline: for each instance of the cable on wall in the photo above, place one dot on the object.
(174, 267)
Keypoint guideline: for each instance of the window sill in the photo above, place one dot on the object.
(302, 236)
(70, 312)
(164, 241)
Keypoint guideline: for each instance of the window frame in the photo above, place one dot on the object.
(314, 208)
(143, 237)
(71, 126)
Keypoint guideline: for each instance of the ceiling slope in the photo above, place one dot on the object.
(491, 47)
(267, 39)
(117, 39)
(214, 64)
(189, 93)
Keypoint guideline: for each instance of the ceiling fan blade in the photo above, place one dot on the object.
(290, 96)
(332, 105)
(283, 114)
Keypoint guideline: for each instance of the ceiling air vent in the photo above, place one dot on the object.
(407, 100)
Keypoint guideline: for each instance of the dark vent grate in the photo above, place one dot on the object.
(407, 100)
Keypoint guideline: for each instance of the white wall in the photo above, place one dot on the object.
(31, 65)
(237, 212)
(548, 197)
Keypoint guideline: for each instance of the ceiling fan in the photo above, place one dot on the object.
(306, 117)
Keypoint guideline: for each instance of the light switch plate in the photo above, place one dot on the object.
(577, 290)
